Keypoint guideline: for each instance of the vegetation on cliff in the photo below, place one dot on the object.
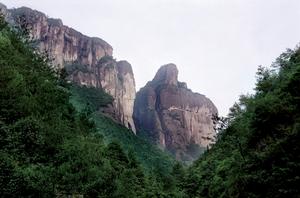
(152, 158)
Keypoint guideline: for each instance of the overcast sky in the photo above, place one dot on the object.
(217, 45)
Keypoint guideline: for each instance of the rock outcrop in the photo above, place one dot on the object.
(87, 60)
(173, 116)
(63, 44)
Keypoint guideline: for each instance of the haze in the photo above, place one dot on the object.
(216, 45)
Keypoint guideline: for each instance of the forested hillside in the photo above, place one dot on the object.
(258, 152)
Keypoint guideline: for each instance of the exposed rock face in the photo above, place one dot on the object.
(117, 79)
(62, 43)
(88, 60)
(173, 116)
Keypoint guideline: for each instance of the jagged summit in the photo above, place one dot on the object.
(124, 67)
(167, 74)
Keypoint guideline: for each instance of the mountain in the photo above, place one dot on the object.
(174, 117)
(186, 131)
(87, 60)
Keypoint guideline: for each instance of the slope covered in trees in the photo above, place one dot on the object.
(152, 158)
(258, 152)
(50, 149)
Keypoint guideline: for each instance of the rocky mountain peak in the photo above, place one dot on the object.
(124, 67)
(167, 74)
(174, 117)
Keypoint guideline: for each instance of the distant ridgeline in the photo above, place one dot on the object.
(185, 132)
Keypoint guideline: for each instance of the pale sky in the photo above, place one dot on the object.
(217, 45)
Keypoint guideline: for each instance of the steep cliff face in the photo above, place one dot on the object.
(115, 78)
(173, 116)
(87, 60)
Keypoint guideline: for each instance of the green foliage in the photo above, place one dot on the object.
(35, 118)
(93, 97)
(147, 154)
(195, 150)
(257, 152)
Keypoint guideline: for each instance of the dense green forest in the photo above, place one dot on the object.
(258, 152)
(54, 142)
